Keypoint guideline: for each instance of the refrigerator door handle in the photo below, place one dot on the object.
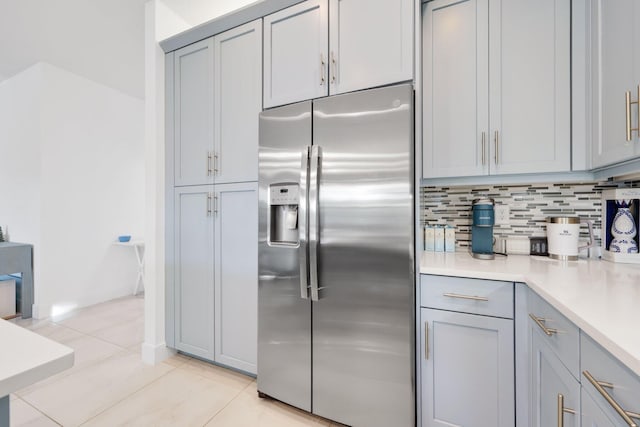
(314, 215)
(303, 220)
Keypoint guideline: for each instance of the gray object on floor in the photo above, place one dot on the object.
(18, 258)
(4, 411)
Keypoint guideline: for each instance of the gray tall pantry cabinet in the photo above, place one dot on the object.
(214, 96)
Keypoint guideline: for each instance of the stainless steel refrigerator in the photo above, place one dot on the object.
(336, 257)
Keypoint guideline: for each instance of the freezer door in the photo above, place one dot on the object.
(363, 320)
(284, 316)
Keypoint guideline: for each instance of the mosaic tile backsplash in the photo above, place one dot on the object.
(530, 205)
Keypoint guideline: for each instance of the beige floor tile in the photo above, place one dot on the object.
(180, 398)
(124, 334)
(24, 415)
(57, 332)
(177, 360)
(88, 351)
(30, 323)
(248, 410)
(136, 348)
(87, 321)
(221, 375)
(102, 316)
(82, 395)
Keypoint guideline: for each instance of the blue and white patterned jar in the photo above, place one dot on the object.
(623, 230)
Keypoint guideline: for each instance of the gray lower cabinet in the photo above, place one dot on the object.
(467, 360)
(467, 370)
(614, 388)
(236, 275)
(592, 414)
(194, 271)
(215, 281)
(555, 392)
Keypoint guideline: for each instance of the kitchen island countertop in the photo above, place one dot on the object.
(26, 358)
(600, 297)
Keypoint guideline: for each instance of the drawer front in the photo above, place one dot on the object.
(561, 334)
(475, 296)
(601, 366)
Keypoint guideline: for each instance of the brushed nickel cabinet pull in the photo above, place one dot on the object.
(540, 322)
(215, 204)
(625, 415)
(627, 96)
(562, 410)
(215, 163)
(628, 104)
(209, 163)
(497, 146)
(209, 204)
(470, 297)
(426, 340)
(334, 66)
(323, 72)
(484, 137)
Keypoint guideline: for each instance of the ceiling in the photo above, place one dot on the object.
(102, 40)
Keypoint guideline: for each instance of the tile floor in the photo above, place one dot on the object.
(110, 386)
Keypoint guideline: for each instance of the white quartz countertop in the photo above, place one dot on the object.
(26, 357)
(600, 297)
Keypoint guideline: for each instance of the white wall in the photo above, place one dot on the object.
(89, 187)
(20, 100)
(195, 12)
(163, 19)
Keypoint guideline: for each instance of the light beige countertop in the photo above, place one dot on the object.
(26, 358)
(600, 297)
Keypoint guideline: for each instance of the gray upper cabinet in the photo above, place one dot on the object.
(615, 71)
(217, 98)
(322, 47)
(194, 264)
(236, 275)
(193, 114)
(455, 80)
(371, 43)
(530, 86)
(237, 102)
(296, 53)
(496, 87)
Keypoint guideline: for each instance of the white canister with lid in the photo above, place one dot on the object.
(563, 233)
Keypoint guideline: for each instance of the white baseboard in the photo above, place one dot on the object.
(153, 354)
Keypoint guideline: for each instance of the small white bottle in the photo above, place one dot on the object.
(439, 238)
(429, 238)
(450, 239)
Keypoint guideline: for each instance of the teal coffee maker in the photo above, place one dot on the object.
(482, 228)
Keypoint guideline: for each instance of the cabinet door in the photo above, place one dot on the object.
(295, 53)
(455, 80)
(371, 43)
(549, 380)
(530, 96)
(238, 101)
(613, 75)
(236, 275)
(467, 370)
(592, 414)
(193, 114)
(193, 291)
